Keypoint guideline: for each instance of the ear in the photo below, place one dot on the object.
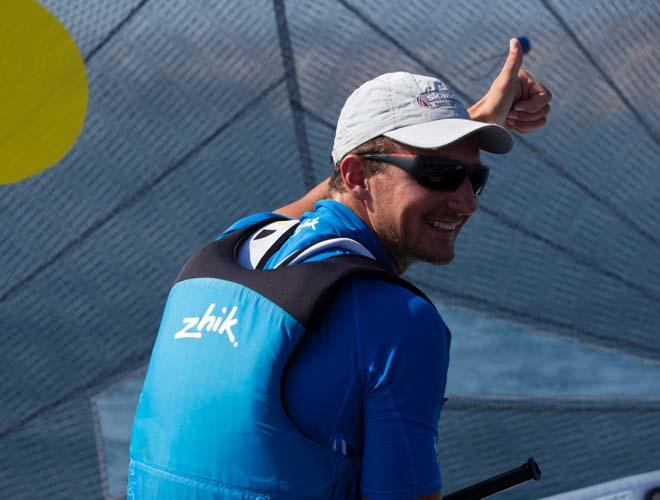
(352, 169)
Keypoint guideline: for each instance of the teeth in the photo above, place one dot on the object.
(449, 226)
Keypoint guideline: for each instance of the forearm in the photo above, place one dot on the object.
(306, 203)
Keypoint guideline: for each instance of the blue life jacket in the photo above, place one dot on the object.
(210, 423)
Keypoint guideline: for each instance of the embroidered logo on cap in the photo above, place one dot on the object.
(437, 98)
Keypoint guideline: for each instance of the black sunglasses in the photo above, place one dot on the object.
(433, 172)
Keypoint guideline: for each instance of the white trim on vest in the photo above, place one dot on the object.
(253, 249)
(353, 246)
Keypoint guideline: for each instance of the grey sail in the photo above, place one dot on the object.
(202, 112)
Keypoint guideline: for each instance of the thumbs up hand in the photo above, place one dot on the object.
(515, 99)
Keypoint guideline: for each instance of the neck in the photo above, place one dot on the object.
(357, 206)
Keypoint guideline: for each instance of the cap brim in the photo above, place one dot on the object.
(439, 133)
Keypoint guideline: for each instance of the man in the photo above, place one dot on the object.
(291, 360)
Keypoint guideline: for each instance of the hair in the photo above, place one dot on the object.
(377, 145)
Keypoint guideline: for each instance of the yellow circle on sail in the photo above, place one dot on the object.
(43, 90)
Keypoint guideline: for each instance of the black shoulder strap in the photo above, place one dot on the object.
(303, 290)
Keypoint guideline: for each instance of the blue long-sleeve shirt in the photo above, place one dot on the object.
(369, 378)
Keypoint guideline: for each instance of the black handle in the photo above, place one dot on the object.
(528, 470)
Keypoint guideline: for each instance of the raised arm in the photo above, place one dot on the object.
(515, 100)
(306, 203)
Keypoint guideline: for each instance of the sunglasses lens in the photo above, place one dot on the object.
(433, 172)
(478, 177)
(440, 175)
(444, 179)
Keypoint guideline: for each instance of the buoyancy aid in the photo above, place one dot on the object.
(210, 423)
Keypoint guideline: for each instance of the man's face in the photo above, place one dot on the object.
(416, 223)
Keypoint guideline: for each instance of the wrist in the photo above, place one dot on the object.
(479, 113)
(483, 111)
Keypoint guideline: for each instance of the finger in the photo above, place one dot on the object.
(537, 87)
(513, 61)
(535, 102)
(526, 127)
(525, 84)
(529, 117)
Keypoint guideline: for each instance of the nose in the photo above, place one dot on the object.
(463, 200)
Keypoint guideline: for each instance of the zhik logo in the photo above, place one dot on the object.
(308, 223)
(210, 323)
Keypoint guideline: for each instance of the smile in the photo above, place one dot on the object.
(447, 226)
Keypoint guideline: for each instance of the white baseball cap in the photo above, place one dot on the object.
(419, 111)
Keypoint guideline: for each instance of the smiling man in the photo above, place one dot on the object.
(332, 383)
(415, 200)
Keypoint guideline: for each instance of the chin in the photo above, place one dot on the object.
(441, 261)
(434, 259)
(443, 255)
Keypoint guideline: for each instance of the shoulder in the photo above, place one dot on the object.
(391, 301)
(248, 221)
(385, 315)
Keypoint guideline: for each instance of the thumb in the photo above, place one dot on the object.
(513, 61)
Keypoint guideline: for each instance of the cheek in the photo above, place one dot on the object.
(414, 203)
(384, 194)
(386, 211)
(411, 213)
(401, 205)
